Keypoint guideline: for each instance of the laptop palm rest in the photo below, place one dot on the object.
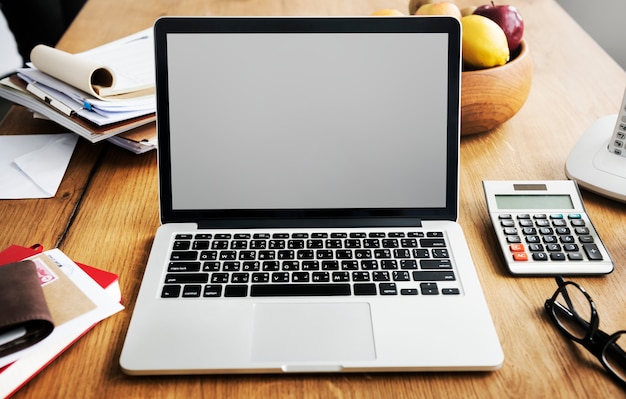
(298, 335)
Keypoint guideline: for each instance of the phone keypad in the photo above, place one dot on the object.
(617, 144)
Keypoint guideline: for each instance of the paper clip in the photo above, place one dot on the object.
(87, 106)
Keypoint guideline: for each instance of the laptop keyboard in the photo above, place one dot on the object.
(309, 264)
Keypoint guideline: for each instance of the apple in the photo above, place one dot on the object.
(443, 8)
(415, 4)
(508, 18)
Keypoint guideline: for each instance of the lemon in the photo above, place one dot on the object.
(484, 42)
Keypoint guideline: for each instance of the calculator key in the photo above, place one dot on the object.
(585, 239)
(570, 247)
(520, 256)
(540, 256)
(556, 216)
(536, 247)
(557, 256)
(592, 251)
(532, 239)
(574, 216)
(553, 247)
(581, 230)
(575, 256)
(517, 247)
(513, 239)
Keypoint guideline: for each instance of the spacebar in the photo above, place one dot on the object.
(299, 289)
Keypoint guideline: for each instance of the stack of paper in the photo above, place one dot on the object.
(97, 94)
(63, 282)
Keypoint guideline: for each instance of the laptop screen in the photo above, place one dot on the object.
(319, 117)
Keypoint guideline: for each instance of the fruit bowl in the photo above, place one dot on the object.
(490, 97)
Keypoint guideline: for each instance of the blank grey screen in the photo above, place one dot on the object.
(299, 121)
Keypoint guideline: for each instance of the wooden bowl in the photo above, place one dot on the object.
(490, 97)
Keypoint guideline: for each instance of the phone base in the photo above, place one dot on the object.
(591, 164)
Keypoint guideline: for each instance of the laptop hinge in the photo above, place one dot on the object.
(309, 223)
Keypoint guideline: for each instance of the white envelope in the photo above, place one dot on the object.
(32, 166)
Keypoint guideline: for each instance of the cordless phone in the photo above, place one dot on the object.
(617, 144)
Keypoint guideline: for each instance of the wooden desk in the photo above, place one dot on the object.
(106, 212)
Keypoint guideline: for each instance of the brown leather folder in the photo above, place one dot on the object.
(24, 315)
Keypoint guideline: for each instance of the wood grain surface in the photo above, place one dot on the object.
(106, 212)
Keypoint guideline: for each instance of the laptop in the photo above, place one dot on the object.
(308, 190)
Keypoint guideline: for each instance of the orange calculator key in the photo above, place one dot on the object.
(517, 248)
(520, 256)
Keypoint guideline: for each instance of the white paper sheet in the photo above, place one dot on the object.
(33, 166)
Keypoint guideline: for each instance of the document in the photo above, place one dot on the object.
(33, 166)
(118, 70)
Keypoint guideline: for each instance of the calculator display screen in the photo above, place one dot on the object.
(515, 201)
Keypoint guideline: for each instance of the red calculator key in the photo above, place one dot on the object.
(517, 248)
(520, 256)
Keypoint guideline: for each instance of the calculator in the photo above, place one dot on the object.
(543, 229)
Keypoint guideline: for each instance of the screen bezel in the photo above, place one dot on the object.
(247, 25)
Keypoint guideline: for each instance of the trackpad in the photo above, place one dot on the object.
(306, 332)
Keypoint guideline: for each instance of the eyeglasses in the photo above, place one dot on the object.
(573, 311)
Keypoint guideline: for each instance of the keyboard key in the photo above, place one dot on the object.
(429, 289)
(236, 291)
(268, 290)
(184, 255)
(192, 291)
(433, 276)
(181, 245)
(388, 289)
(171, 291)
(186, 278)
(364, 289)
(432, 243)
(260, 277)
(321, 277)
(400, 275)
(360, 276)
(430, 264)
(183, 267)
(212, 291)
(300, 277)
(341, 276)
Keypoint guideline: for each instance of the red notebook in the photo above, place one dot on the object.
(107, 280)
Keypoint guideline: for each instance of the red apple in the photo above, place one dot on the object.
(508, 18)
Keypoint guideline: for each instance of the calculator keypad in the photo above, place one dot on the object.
(549, 237)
